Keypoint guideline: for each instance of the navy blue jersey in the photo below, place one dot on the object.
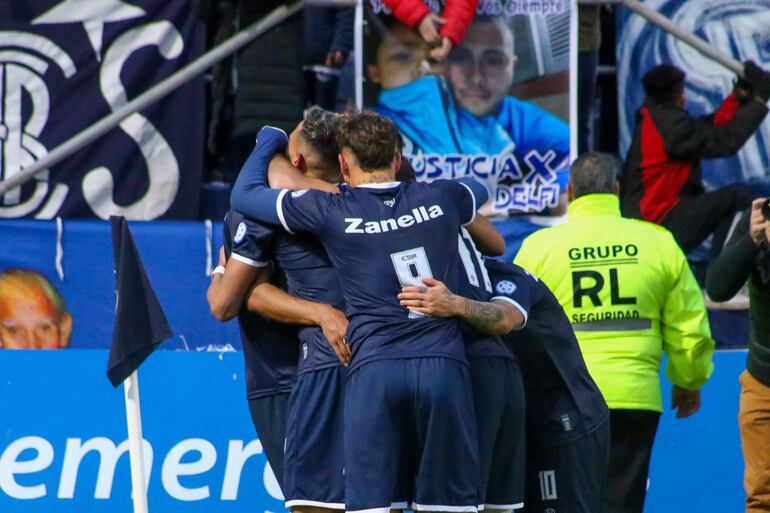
(475, 284)
(270, 349)
(309, 275)
(563, 402)
(379, 238)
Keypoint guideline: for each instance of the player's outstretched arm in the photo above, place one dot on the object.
(271, 302)
(229, 285)
(251, 195)
(494, 318)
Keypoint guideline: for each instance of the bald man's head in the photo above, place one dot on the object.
(32, 312)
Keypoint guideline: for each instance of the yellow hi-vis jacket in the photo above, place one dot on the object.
(630, 295)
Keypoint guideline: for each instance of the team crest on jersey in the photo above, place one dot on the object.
(240, 233)
(505, 287)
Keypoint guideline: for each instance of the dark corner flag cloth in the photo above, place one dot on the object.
(140, 324)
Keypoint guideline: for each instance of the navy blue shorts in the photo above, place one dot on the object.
(569, 477)
(410, 437)
(498, 399)
(269, 416)
(315, 458)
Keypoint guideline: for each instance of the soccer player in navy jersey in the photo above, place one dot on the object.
(567, 418)
(270, 349)
(408, 396)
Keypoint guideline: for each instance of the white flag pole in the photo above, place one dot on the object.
(135, 443)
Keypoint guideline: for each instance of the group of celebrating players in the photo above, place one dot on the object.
(402, 368)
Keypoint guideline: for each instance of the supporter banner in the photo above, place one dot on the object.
(57, 284)
(496, 109)
(737, 28)
(64, 449)
(65, 64)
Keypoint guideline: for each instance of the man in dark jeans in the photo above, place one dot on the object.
(747, 256)
(662, 176)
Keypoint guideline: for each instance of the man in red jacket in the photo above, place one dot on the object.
(458, 15)
(662, 181)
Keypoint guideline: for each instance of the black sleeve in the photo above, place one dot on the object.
(688, 138)
(343, 30)
(729, 271)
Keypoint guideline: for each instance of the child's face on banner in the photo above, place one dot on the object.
(480, 70)
(401, 58)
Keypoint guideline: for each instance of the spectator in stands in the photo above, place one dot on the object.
(328, 36)
(589, 43)
(630, 295)
(441, 33)
(33, 314)
(746, 255)
(662, 176)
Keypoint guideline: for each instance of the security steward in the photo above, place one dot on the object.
(630, 295)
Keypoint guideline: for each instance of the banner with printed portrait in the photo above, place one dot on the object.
(739, 28)
(64, 64)
(496, 109)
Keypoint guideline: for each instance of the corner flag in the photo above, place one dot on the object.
(140, 324)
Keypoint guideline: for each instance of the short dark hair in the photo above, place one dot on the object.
(664, 84)
(372, 138)
(594, 173)
(318, 129)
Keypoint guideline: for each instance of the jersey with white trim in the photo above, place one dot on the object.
(309, 275)
(563, 402)
(475, 284)
(270, 349)
(380, 237)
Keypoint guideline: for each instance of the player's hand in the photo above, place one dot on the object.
(334, 325)
(442, 51)
(335, 59)
(427, 28)
(758, 225)
(432, 299)
(222, 259)
(685, 402)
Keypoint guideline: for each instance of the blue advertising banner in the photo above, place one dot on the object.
(64, 64)
(63, 442)
(496, 109)
(63, 446)
(67, 271)
(738, 28)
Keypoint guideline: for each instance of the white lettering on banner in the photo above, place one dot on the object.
(162, 166)
(528, 184)
(173, 468)
(16, 460)
(109, 454)
(10, 466)
(237, 455)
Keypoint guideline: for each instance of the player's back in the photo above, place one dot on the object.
(563, 401)
(381, 237)
(309, 275)
(271, 349)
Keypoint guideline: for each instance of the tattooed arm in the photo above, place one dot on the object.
(494, 318)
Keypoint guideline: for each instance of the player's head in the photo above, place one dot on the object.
(312, 145)
(480, 70)
(368, 144)
(32, 312)
(593, 173)
(396, 54)
(664, 85)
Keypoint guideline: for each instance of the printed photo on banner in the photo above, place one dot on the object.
(496, 108)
